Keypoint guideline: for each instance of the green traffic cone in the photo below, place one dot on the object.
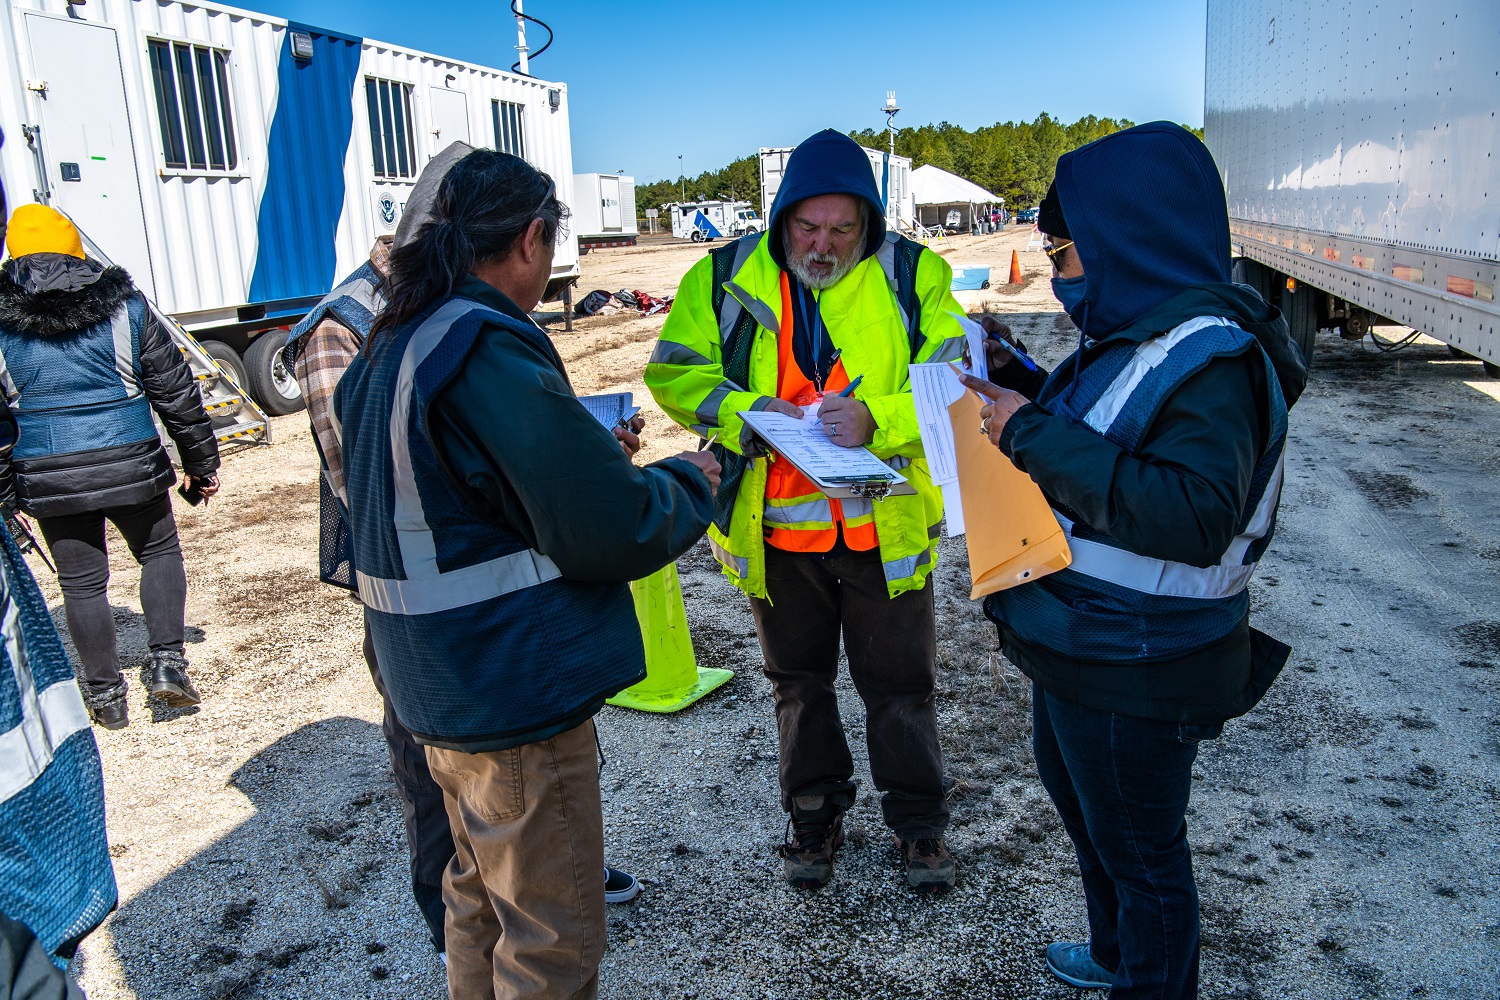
(673, 679)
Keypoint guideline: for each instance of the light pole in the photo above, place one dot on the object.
(681, 178)
(890, 109)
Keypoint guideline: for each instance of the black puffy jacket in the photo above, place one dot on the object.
(50, 305)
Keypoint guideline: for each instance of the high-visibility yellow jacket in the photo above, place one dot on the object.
(865, 323)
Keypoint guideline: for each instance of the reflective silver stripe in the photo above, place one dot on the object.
(738, 565)
(886, 256)
(951, 349)
(708, 409)
(730, 309)
(764, 314)
(363, 291)
(119, 327)
(1154, 576)
(8, 384)
(1265, 513)
(427, 589)
(48, 717)
(898, 462)
(1147, 356)
(901, 569)
(812, 511)
(671, 353)
(459, 587)
(855, 507)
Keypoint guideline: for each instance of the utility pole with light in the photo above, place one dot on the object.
(890, 109)
(681, 177)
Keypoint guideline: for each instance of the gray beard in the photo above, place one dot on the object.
(841, 267)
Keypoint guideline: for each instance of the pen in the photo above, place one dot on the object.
(1015, 351)
(708, 441)
(852, 385)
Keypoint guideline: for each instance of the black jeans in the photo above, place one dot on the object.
(76, 542)
(1121, 786)
(892, 647)
(428, 837)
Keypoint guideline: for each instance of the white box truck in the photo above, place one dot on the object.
(892, 178)
(1358, 148)
(238, 164)
(711, 220)
(603, 210)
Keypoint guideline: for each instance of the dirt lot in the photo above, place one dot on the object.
(1345, 831)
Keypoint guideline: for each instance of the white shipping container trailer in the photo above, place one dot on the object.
(603, 208)
(1357, 144)
(892, 178)
(237, 164)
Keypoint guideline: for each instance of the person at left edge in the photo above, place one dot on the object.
(86, 363)
(496, 525)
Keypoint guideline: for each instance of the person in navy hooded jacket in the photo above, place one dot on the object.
(1159, 445)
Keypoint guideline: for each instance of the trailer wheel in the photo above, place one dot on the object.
(228, 358)
(697, 236)
(271, 382)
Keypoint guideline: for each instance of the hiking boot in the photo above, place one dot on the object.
(807, 855)
(165, 677)
(108, 708)
(620, 887)
(929, 865)
(1071, 962)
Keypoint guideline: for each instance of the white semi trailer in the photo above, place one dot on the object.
(892, 177)
(1358, 148)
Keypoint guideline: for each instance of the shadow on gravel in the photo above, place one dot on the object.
(280, 903)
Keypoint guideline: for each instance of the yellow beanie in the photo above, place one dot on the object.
(41, 229)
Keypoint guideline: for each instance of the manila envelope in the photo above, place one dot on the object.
(1012, 535)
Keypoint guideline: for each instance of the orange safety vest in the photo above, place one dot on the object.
(799, 517)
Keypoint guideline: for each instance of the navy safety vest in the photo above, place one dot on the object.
(355, 303)
(481, 642)
(1112, 604)
(78, 392)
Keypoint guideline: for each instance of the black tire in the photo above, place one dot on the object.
(271, 382)
(985, 283)
(1465, 355)
(1491, 369)
(227, 357)
(697, 236)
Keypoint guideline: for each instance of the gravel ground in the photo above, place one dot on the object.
(1345, 832)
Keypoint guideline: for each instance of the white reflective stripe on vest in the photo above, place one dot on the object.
(901, 569)
(739, 564)
(1147, 356)
(817, 513)
(1153, 576)
(1265, 513)
(119, 328)
(427, 589)
(48, 718)
(361, 290)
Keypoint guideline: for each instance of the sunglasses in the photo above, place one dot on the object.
(1053, 249)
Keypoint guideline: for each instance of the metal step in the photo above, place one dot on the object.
(244, 432)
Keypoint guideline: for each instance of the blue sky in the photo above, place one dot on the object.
(650, 80)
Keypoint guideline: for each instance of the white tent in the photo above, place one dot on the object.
(940, 196)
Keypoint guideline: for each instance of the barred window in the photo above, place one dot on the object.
(192, 105)
(391, 127)
(510, 134)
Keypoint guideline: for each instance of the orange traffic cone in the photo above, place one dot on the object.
(1015, 268)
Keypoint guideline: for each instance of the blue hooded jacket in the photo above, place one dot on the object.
(826, 163)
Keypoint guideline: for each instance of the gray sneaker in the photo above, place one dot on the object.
(1071, 962)
(165, 677)
(807, 855)
(929, 865)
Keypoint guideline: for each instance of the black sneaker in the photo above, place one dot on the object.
(620, 887)
(807, 855)
(929, 865)
(165, 676)
(108, 708)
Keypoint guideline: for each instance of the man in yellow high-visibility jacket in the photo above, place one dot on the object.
(779, 321)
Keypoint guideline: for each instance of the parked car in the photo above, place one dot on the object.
(1026, 216)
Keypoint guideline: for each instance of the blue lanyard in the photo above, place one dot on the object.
(814, 343)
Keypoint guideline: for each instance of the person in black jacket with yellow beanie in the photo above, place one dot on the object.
(84, 364)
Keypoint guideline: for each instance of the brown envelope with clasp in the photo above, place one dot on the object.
(1012, 535)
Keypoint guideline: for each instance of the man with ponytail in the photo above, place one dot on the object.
(496, 525)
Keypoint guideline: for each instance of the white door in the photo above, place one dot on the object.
(450, 118)
(609, 203)
(86, 138)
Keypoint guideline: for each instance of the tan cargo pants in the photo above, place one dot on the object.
(525, 888)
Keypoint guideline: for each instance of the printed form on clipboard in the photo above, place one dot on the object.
(839, 472)
(612, 409)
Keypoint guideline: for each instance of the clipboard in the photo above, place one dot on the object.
(839, 473)
(1012, 534)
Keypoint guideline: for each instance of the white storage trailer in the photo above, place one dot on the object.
(1358, 148)
(603, 208)
(237, 164)
(710, 220)
(892, 178)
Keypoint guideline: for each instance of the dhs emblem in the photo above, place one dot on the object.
(386, 208)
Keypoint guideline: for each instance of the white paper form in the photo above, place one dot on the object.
(612, 409)
(806, 445)
(975, 361)
(933, 388)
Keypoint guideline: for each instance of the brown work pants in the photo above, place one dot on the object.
(524, 888)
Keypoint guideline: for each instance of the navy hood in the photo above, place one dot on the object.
(1146, 210)
(827, 163)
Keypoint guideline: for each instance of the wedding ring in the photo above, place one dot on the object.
(833, 428)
